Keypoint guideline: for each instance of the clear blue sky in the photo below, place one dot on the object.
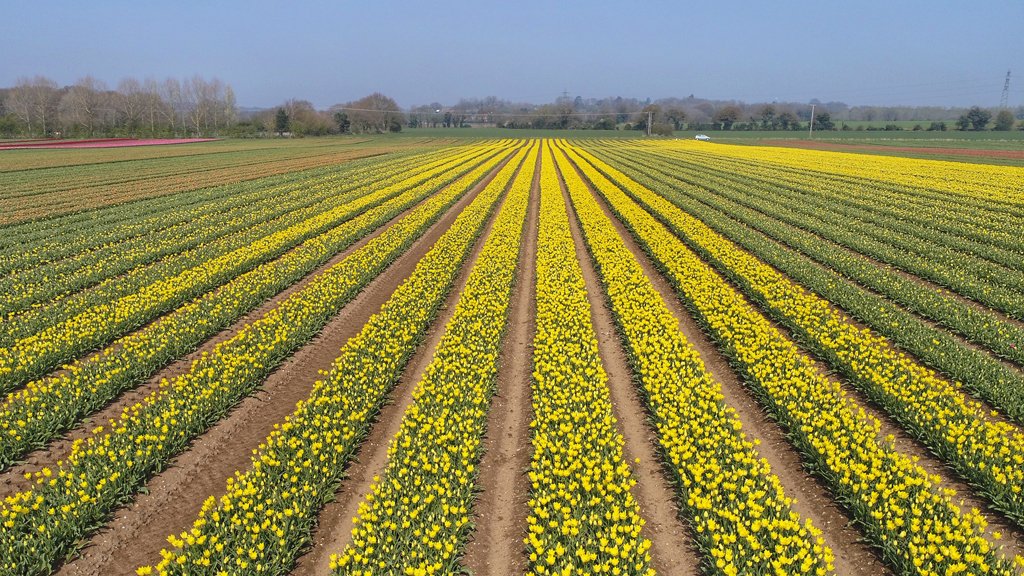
(939, 52)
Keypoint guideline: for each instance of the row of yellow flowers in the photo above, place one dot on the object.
(325, 194)
(45, 522)
(989, 452)
(737, 507)
(1002, 183)
(42, 242)
(848, 279)
(35, 414)
(583, 518)
(944, 260)
(208, 229)
(267, 512)
(416, 518)
(38, 353)
(900, 507)
(978, 219)
(937, 235)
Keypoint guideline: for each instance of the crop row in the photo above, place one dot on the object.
(68, 201)
(417, 515)
(984, 281)
(980, 372)
(34, 415)
(211, 221)
(44, 241)
(988, 262)
(105, 229)
(49, 314)
(758, 195)
(992, 227)
(900, 507)
(737, 507)
(903, 227)
(582, 516)
(937, 179)
(987, 452)
(44, 523)
(265, 516)
(38, 353)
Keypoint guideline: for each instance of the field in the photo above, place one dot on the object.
(427, 354)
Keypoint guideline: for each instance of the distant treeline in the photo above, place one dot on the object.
(195, 106)
(670, 114)
(38, 107)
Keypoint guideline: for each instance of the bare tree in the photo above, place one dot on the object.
(153, 106)
(171, 94)
(19, 103)
(34, 102)
(375, 113)
(129, 101)
(81, 107)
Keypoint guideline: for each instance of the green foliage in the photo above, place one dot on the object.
(1004, 121)
(974, 119)
(281, 121)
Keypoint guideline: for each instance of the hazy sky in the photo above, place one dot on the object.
(939, 52)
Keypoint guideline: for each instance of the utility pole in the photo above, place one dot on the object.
(1004, 102)
(811, 133)
(650, 115)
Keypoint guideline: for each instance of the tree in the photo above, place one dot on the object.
(675, 116)
(727, 116)
(768, 119)
(129, 101)
(823, 121)
(1004, 120)
(281, 122)
(975, 118)
(788, 120)
(341, 119)
(375, 113)
(34, 102)
(81, 107)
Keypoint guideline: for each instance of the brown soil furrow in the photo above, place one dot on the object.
(12, 480)
(672, 548)
(138, 531)
(811, 498)
(334, 526)
(496, 548)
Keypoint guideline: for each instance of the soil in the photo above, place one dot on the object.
(333, 531)
(174, 497)
(501, 508)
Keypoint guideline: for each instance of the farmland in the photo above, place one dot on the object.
(431, 355)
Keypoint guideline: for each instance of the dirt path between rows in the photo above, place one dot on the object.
(138, 531)
(334, 526)
(811, 498)
(673, 550)
(495, 547)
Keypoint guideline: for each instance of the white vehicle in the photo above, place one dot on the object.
(704, 137)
